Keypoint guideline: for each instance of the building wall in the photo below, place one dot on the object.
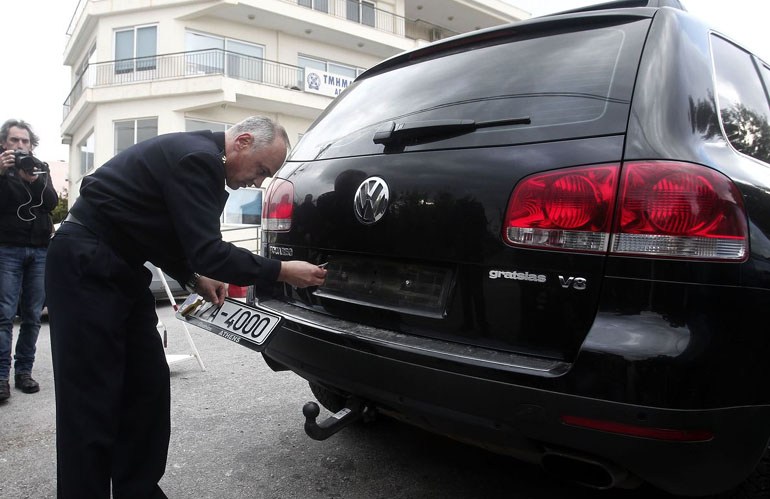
(59, 172)
(213, 98)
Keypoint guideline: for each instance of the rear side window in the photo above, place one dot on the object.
(743, 102)
(569, 82)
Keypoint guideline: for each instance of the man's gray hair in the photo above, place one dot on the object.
(34, 140)
(263, 129)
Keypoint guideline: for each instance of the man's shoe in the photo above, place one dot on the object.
(5, 389)
(25, 383)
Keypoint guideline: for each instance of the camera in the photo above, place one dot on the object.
(28, 163)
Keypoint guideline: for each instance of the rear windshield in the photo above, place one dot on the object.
(570, 83)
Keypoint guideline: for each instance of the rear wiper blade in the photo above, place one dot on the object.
(414, 132)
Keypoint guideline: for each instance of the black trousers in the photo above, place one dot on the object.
(110, 371)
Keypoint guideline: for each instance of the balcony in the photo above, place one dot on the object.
(185, 65)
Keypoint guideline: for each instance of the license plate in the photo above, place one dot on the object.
(233, 320)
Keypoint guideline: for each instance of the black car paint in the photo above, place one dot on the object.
(471, 240)
(649, 342)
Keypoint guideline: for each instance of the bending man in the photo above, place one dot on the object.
(158, 201)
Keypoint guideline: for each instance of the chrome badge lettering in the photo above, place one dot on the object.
(577, 283)
(281, 251)
(516, 276)
(371, 200)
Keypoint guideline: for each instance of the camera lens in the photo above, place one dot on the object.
(27, 162)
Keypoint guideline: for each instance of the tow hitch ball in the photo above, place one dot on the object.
(352, 412)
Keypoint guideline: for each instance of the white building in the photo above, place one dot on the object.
(146, 67)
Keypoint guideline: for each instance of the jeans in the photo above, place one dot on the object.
(21, 282)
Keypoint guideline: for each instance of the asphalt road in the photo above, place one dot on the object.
(237, 432)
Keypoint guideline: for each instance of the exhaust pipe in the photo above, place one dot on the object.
(587, 470)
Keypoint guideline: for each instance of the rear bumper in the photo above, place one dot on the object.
(513, 404)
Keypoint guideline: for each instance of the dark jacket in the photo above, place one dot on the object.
(25, 210)
(161, 201)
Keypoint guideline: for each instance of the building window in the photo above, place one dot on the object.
(135, 49)
(322, 5)
(88, 60)
(311, 63)
(130, 132)
(207, 53)
(234, 58)
(244, 60)
(339, 69)
(87, 154)
(361, 11)
(86, 77)
(304, 62)
(192, 125)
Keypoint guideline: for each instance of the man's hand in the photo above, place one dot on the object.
(26, 176)
(212, 291)
(7, 160)
(301, 274)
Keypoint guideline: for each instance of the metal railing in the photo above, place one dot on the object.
(185, 65)
(244, 236)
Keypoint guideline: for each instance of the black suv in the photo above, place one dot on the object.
(550, 239)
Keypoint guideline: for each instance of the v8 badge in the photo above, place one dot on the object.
(577, 283)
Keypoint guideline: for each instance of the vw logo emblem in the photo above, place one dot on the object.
(371, 200)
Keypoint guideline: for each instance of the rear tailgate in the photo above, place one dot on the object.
(412, 226)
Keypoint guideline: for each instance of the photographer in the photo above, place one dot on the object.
(26, 201)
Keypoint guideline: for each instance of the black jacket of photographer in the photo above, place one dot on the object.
(25, 210)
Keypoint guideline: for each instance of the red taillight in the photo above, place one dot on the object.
(279, 206)
(670, 434)
(568, 209)
(679, 210)
(664, 209)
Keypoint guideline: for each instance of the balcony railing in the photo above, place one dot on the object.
(365, 13)
(185, 65)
